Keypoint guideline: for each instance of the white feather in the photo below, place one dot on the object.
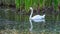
(36, 18)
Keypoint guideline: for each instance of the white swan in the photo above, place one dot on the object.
(36, 18)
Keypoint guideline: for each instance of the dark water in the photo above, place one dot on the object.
(10, 20)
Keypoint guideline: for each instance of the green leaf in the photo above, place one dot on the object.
(17, 2)
(55, 4)
(28, 3)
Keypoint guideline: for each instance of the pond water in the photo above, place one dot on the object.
(10, 20)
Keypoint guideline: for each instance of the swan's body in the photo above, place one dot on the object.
(37, 18)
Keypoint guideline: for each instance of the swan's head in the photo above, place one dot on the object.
(31, 8)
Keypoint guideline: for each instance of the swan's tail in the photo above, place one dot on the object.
(44, 15)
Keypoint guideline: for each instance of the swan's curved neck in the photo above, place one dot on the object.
(31, 13)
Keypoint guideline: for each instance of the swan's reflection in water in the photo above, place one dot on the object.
(31, 25)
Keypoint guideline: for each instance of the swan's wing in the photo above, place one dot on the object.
(36, 17)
